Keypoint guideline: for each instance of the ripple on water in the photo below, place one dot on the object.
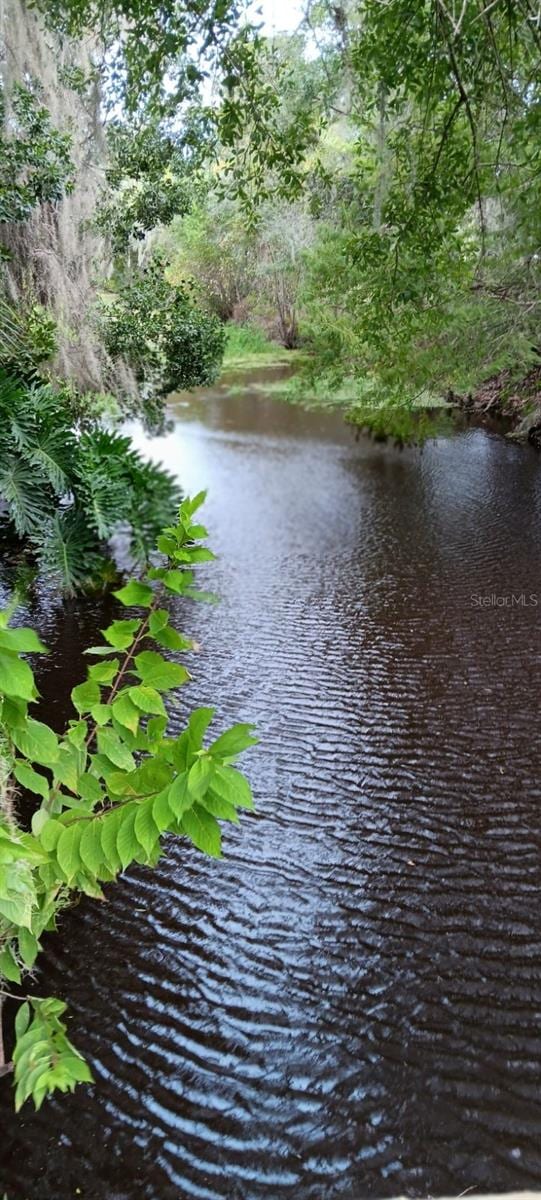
(349, 1003)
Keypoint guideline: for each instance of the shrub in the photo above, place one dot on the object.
(157, 327)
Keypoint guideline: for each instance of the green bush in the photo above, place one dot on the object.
(157, 327)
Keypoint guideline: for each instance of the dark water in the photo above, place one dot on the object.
(349, 1004)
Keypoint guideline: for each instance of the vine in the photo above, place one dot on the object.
(110, 788)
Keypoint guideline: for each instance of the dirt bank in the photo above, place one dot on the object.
(518, 402)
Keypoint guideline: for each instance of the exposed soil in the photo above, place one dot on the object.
(519, 402)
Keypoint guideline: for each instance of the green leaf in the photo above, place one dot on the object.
(172, 640)
(8, 965)
(67, 850)
(135, 593)
(233, 741)
(121, 633)
(110, 745)
(22, 1020)
(90, 848)
(39, 819)
(85, 695)
(21, 641)
(155, 730)
(152, 776)
(165, 635)
(126, 842)
(220, 808)
(145, 829)
(99, 651)
(16, 678)
(199, 554)
(104, 672)
(161, 812)
(191, 504)
(78, 733)
(16, 907)
(158, 620)
(199, 777)
(110, 825)
(179, 798)
(89, 788)
(14, 712)
(101, 713)
(177, 581)
(126, 712)
(232, 786)
(50, 834)
(37, 742)
(203, 830)
(66, 767)
(29, 947)
(147, 699)
(155, 671)
(198, 724)
(30, 779)
(166, 545)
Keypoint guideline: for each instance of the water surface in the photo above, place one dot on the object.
(348, 1004)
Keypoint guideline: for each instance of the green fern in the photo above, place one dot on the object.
(68, 495)
(11, 333)
(52, 453)
(26, 505)
(67, 551)
(119, 488)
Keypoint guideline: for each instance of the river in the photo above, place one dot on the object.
(348, 1004)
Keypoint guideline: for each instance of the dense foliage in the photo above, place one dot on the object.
(157, 328)
(35, 162)
(410, 263)
(109, 788)
(437, 283)
(149, 182)
(64, 492)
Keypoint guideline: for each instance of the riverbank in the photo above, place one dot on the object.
(247, 349)
(253, 363)
(502, 396)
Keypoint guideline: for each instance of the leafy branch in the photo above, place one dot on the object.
(103, 808)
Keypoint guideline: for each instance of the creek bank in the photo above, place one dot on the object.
(518, 403)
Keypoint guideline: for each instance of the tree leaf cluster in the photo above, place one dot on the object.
(110, 787)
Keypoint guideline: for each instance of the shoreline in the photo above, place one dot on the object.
(503, 398)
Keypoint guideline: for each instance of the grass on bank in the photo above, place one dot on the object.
(247, 348)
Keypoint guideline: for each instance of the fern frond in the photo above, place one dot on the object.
(53, 452)
(66, 550)
(11, 333)
(27, 504)
(117, 486)
(17, 415)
